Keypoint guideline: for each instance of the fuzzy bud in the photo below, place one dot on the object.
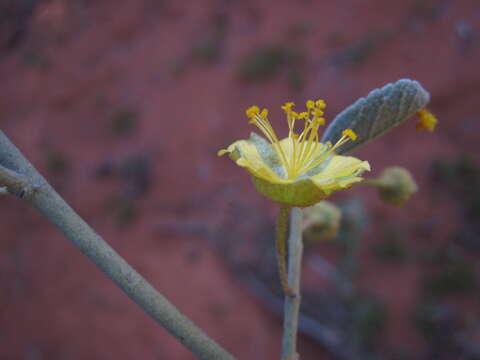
(395, 185)
(321, 221)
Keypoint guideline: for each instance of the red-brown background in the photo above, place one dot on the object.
(68, 70)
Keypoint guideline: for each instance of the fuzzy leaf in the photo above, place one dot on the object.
(377, 113)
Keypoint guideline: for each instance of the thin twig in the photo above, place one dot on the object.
(292, 303)
(49, 202)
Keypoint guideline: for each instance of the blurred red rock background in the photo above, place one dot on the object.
(122, 105)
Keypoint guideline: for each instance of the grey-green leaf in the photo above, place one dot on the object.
(374, 115)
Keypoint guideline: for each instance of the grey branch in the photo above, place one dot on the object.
(17, 173)
(14, 183)
(292, 303)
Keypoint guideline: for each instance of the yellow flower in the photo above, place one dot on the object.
(298, 170)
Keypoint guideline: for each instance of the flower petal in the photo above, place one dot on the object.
(341, 172)
(268, 154)
(246, 154)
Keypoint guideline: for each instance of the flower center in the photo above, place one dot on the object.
(299, 153)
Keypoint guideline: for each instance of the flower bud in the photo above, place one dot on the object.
(395, 185)
(321, 221)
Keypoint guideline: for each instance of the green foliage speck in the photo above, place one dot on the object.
(124, 122)
(56, 162)
(369, 319)
(392, 250)
(453, 274)
(265, 63)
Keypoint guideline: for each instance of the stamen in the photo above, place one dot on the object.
(307, 149)
(304, 145)
(350, 133)
(260, 120)
(252, 111)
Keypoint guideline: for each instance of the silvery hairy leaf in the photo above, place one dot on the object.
(377, 113)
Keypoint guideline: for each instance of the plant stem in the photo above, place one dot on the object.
(15, 183)
(15, 168)
(281, 247)
(292, 302)
(372, 182)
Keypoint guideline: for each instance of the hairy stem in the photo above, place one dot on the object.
(292, 302)
(281, 247)
(17, 170)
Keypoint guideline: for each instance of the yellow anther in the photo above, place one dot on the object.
(320, 104)
(426, 120)
(264, 114)
(303, 115)
(350, 133)
(288, 107)
(310, 104)
(252, 111)
(320, 121)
